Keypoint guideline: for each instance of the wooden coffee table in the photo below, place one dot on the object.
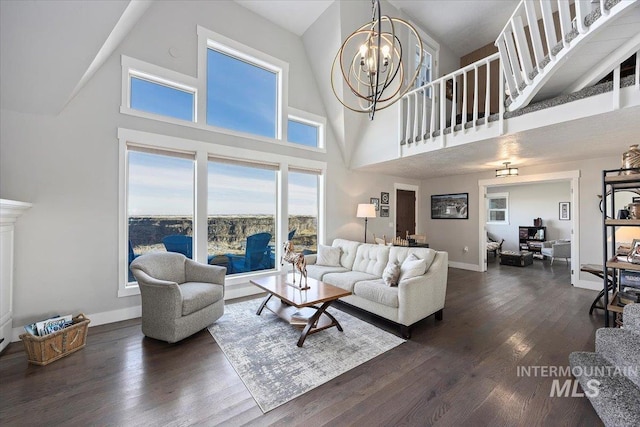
(292, 299)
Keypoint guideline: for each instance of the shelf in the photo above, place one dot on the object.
(623, 265)
(631, 179)
(613, 305)
(622, 222)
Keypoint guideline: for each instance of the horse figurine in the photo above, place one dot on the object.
(297, 262)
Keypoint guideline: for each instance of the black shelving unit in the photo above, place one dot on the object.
(531, 238)
(612, 181)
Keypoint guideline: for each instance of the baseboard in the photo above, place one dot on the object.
(97, 319)
(589, 284)
(464, 266)
(231, 292)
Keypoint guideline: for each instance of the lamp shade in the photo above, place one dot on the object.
(366, 210)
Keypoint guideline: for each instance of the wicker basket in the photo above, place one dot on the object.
(49, 348)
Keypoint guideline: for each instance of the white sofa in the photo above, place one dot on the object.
(360, 271)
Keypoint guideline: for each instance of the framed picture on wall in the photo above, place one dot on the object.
(384, 211)
(564, 211)
(384, 198)
(376, 202)
(450, 206)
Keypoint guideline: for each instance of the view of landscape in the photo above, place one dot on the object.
(226, 234)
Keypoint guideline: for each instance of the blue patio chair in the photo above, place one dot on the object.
(180, 244)
(132, 255)
(256, 256)
(272, 249)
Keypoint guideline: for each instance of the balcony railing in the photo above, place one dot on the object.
(468, 98)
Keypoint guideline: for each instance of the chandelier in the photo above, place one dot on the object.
(370, 60)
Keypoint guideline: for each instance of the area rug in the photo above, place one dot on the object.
(263, 351)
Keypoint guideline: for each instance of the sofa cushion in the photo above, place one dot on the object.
(328, 256)
(399, 254)
(198, 295)
(348, 254)
(347, 279)
(391, 274)
(377, 291)
(371, 259)
(412, 267)
(318, 271)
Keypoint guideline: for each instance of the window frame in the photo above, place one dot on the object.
(203, 151)
(132, 67)
(491, 196)
(312, 120)
(430, 46)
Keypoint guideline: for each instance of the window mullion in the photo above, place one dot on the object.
(201, 227)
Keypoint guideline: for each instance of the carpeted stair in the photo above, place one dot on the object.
(615, 365)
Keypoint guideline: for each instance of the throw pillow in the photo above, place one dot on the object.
(328, 256)
(412, 267)
(391, 274)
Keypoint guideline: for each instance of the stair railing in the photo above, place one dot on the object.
(454, 99)
(521, 46)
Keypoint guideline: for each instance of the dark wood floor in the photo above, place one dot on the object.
(461, 371)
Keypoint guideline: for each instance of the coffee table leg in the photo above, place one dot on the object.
(264, 303)
(312, 321)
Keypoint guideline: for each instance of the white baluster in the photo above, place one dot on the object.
(565, 20)
(534, 31)
(487, 96)
(506, 66)
(513, 58)
(424, 113)
(475, 96)
(432, 126)
(454, 107)
(582, 10)
(522, 47)
(465, 90)
(416, 122)
(603, 9)
(549, 26)
(616, 88)
(443, 110)
(408, 135)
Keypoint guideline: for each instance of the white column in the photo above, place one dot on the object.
(10, 210)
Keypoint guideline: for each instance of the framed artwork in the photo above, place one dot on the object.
(450, 206)
(384, 198)
(384, 211)
(564, 211)
(376, 202)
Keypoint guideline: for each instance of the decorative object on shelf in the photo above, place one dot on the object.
(564, 211)
(371, 63)
(366, 211)
(297, 261)
(375, 202)
(634, 254)
(537, 222)
(631, 159)
(634, 210)
(384, 198)
(384, 211)
(450, 206)
(506, 171)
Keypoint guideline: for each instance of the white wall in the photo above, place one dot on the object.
(67, 166)
(530, 201)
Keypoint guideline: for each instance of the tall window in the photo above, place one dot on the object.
(303, 210)
(241, 95)
(159, 203)
(242, 206)
(425, 75)
(498, 208)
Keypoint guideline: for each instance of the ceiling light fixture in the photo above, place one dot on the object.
(370, 60)
(506, 171)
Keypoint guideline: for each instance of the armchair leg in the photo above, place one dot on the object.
(405, 332)
(439, 314)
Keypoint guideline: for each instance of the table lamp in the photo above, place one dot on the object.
(366, 211)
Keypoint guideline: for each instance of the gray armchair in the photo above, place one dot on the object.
(556, 249)
(179, 296)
